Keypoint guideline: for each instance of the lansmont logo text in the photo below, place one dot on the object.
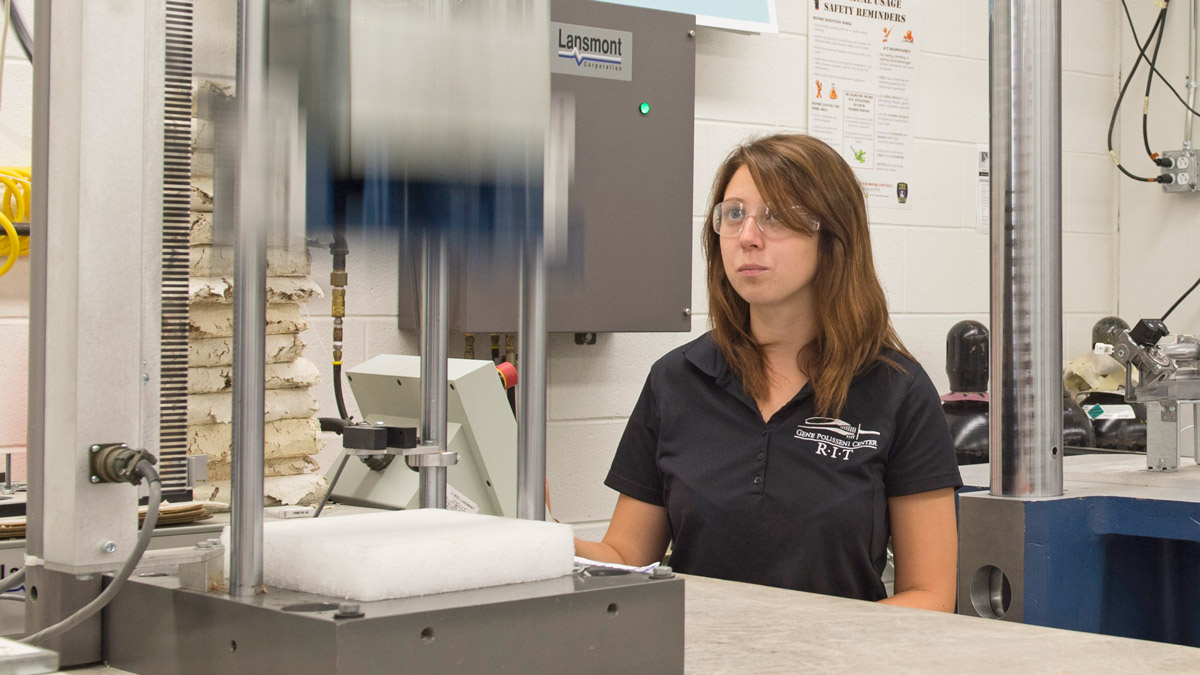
(591, 52)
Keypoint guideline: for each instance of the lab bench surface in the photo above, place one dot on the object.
(742, 628)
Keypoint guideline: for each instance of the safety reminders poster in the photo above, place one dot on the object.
(862, 63)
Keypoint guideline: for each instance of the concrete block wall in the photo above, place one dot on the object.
(1159, 234)
(16, 134)
(933, 264)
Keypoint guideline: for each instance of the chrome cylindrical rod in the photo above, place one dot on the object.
(249, 316)
(434, 375)
(531, 349)
(1026, 215)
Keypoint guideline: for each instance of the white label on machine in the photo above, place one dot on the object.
(1118, 411)
(457, 501)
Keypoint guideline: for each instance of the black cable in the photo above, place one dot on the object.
(337, 391)
(1149, 81)
(22, 32)
(1181, 298)
(1112, 123)
(1155, 70)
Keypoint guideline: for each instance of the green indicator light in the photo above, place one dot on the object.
(644, 108)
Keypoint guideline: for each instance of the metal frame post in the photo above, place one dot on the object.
(1026, 387)
(249, 313)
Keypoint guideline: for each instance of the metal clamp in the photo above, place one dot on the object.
(431, 458)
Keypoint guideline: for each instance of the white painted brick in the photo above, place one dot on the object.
(14, 290)
(792, 16)
(1089, 194)
(383, 337)
(751, 78)
(952, 99)
(699, 274)
(1077, 334)
(925, 338)
(976, 20)
(1088, 261)
(1089, 34)
(888, 250)
(16, 116)
(214, 49)
(604, 379)
(19, 465)
(578, 456)
(1087, 106)
(938, 190)
(946, 271)
(14, 381)
(940, 30)
(713, 143)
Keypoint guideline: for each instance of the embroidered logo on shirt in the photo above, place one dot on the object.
(835, 438)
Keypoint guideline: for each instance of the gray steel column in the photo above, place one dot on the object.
(1026, 366)
(531, 350)
(434, 377)
(249, 317)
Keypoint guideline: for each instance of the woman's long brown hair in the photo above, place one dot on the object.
(853, 327)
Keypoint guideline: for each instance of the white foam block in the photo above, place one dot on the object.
(406, 553)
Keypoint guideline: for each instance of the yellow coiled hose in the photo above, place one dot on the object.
(14, 207)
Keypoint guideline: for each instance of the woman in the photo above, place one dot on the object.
(786, 445)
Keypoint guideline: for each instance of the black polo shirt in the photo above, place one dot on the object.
(797, 502)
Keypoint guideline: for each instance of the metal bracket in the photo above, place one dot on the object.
(201, 568)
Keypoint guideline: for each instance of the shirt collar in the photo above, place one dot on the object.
(705, 355)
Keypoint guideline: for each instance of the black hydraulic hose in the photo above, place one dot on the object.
(1181, 298)
(337, 391)
(1162, 30)
(1154, 69)
(1112, 123)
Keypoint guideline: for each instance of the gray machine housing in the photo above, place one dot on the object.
(631, 623)
(481, 429)
(629, 263)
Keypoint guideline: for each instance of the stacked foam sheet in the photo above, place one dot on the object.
(407, 553)
(292, 433)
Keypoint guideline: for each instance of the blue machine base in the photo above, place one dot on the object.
(1120, 566)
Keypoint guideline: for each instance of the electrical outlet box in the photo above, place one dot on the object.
(1182, 170)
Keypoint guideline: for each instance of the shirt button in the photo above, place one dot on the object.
(764, 431)
(759, 457)
(757, 480)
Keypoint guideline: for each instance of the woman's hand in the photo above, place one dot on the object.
(637, 535)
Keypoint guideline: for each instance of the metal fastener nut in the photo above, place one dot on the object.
(687, 311)
(692, 33)
(662, 572)
(109, 547)
(348, 608)
(95, 448)
(95, 479)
